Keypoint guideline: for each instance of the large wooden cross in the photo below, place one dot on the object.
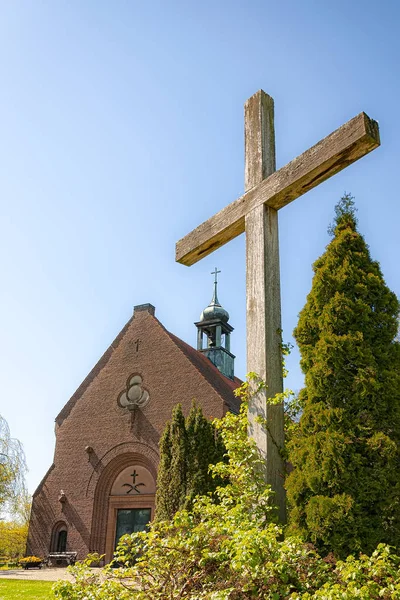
(256, 212)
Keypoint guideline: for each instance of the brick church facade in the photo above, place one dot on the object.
(102, 481)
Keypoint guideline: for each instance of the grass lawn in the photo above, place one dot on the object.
(19, 589)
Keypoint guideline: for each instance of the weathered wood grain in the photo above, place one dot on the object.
(259, 139)
(263, 299)
(355, 139)
(264, 338)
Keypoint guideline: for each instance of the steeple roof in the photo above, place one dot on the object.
(214, 311)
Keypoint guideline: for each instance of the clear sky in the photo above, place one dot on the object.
(121, 129)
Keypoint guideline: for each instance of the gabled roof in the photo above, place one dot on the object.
(63, 414)
(221, 384)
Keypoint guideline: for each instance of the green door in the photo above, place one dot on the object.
(131, 520)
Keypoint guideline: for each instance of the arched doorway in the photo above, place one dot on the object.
(59, 537)
(119, 489)
(130, 505)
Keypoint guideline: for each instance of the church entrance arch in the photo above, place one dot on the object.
(124, 501)
(59, 537)
(130, 505)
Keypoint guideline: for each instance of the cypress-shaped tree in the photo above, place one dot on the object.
(187, 448)
(172, 470)
(205, 447)
(344, 490)
(163, 498)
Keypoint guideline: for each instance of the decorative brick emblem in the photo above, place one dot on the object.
(135, 396)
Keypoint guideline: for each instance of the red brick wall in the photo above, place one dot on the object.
(96, 420)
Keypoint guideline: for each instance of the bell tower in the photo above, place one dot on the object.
(213, 324)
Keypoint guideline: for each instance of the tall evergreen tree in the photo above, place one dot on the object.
(205, 447)
(187, 448)
(172, 470)
(163, 498)
(344, 490)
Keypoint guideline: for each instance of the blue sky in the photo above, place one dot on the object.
(121, 129)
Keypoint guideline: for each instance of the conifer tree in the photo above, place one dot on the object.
(204, 448)
(187, 448)
(163, 497)
(344, 490)
(172, 471)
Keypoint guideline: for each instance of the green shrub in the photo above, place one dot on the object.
(13, 537)
(94, 559)
(344, 490)
(229, 547)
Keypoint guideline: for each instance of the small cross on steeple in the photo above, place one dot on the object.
(215, 296)
(215, 272)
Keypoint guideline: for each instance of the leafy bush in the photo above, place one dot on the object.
(94, 559)
(13, 539)
(7, 562)
(229, 547)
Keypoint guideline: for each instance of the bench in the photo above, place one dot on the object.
(57, 559)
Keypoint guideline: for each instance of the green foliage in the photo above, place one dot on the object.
(228, 547)
(172, 470)
(204, 448)
(367, 578)
(93, 559)
(12, 469)
(187, 448)
(22, 505)
(344, 490)
(13, 539)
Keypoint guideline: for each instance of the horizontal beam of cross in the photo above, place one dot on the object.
(355, 139)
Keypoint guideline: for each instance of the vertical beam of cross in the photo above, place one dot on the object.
(263, 294)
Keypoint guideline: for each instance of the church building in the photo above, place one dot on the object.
(102, 482)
